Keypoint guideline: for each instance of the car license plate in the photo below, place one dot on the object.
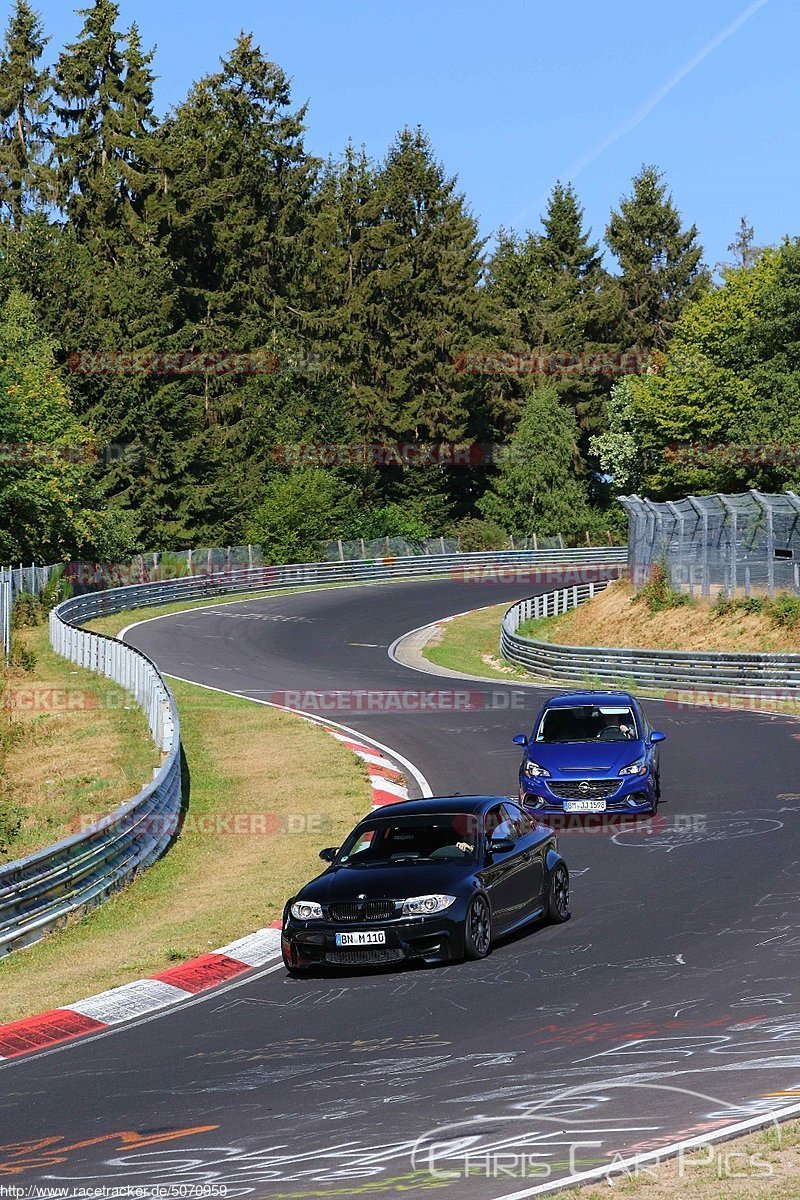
(579, 806)
(371, 937)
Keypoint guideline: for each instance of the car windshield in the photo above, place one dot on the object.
(588, 723)
(451, 836)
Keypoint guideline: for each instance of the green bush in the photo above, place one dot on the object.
(784, 610)
(658, 593)
(478, 535)
(57, 588)
(722, 606)
(22, 656)
(26, 612)
(10, 825)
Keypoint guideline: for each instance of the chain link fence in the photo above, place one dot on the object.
(743, 545)
(13, 582)
(157, 566)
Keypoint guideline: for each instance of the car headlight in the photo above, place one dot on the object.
(534, 771)
(419, 906)
(306, 910)
(635, 768)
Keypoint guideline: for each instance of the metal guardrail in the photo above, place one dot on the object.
(658, 669)
(505, 564)
(37, 893)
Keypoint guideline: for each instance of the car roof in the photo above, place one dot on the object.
(569, 699)
(440, 804)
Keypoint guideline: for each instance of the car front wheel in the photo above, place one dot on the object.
(478, 928)
(558, 895)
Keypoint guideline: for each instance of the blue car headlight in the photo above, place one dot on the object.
(306, 910)
(635, 768)
(534, 771)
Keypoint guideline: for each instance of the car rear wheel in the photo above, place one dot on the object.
(478, 928)
(558, 895)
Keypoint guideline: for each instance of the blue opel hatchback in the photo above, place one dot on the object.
(590, 752)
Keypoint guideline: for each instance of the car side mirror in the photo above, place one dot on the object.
(329, 854)
(519, 739)
(655, 736)
(501, 845)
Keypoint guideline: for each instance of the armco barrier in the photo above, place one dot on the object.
(657, 669)
(38, 892)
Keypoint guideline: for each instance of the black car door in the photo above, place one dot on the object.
(505, 872)
(532, 846)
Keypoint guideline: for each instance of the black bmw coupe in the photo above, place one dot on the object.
(432, 880)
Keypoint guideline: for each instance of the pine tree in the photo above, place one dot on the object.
(105, 153)
(136, 141)
(406, 261)
(536, 490)
(239, 187)
(743, 248)
(660, 261)
(25, 108)
(240, 181)
(562, 301)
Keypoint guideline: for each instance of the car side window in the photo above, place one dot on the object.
(523, 820)
(494, 822)
(511, 822)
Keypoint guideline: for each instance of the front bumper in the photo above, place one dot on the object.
(435, 939)
(635, 794)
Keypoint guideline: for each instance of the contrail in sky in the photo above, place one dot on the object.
(650, 103)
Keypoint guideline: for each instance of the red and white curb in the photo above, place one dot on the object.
(387, 783)
(140, 997)
(181, 982)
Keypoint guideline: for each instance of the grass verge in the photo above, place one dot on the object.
(74, 746)
(248, 768)
(471, 644)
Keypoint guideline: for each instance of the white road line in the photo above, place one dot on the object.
(356, 734)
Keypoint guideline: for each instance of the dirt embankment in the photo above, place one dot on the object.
(617, 617)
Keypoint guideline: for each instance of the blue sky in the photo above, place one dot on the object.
(518, 93)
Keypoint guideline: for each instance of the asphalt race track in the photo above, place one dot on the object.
(667, 1007)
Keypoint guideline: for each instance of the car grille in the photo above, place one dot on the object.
(364, 954)
(365, 910)
(585, 789)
